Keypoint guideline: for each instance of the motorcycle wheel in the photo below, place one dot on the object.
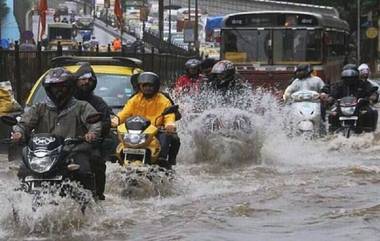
(347, 132)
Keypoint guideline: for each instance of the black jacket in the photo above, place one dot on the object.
(362, 89)
(101, 106)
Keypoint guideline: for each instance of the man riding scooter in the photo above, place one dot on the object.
(63, 116)
(150, 103)
(190, 82)
(363, 91)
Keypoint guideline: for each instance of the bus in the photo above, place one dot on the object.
(266, 46)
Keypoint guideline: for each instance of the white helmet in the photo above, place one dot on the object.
(363, 71)
(363, 67)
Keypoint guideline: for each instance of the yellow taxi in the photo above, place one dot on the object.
(113, 75)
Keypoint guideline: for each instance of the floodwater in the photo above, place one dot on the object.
(261, 185)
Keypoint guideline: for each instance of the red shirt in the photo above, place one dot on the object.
(185, 84)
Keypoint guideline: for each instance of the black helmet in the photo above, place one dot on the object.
(350, 66)
(193, 67)
(59, 86)
(149, 78)
(224, 72)
(350, 76)
(207, 65)
(303, 71)
(85, 71)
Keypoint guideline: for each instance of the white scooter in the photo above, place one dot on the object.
(306, 113)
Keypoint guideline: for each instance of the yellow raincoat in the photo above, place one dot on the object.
(149, 108)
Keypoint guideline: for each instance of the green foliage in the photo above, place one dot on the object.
(4, 9)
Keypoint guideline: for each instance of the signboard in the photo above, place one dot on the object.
(188, 32)
(188, 35)
(144, 12)
(371, 32)
(107, 4)
(271, 20)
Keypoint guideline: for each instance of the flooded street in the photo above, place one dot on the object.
(258, 186)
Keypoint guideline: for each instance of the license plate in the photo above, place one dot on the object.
(134, 151)
(348, 118)
(32, 178)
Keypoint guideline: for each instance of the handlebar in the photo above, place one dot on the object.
(79, 140)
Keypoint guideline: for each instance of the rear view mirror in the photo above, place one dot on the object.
(170, 110)
(94, 118)
(9, 120)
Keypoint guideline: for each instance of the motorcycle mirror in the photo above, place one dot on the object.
(170, 109)
(73, 167)
(9, 120)
(94, 118)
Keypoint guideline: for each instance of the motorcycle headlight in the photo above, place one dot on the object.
(42, 161)
(348, 110)
(135, 139)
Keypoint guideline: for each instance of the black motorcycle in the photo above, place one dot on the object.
(354, 115)
(48, 165)
(348, 112)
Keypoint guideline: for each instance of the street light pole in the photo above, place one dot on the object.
(358, 34)
(170, 22)
(161, 19)
(196, 38)
(189, 21)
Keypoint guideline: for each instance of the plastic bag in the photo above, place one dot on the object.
(8, 102)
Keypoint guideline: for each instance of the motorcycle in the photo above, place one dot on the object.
(49, 165)
(138, 150)
(306, 112)
(347, 109)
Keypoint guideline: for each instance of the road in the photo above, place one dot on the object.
(104, 34)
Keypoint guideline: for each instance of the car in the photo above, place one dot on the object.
(113, 74)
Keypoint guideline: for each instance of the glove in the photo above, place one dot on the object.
(16, 137)
(171, 128)
(324, 96)
(115, 121)
(90, 137)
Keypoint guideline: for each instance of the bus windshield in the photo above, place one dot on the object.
(294, 46)
(277, 46)
(246, 45)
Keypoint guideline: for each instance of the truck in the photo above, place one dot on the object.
(63, 33)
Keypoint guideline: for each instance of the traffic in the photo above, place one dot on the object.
(261, 126)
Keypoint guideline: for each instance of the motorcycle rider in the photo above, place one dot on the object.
(225, 79)
(85, 85)
(364, 73)
(206, 67)
(150, 103)
(64, 116)
(190, 82)
(364, 91)
(304, 80)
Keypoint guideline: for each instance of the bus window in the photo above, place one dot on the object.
(247, 45)
(335, 42)
(295, 46)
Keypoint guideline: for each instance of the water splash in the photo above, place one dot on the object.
(140, 182)
(57, 215)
